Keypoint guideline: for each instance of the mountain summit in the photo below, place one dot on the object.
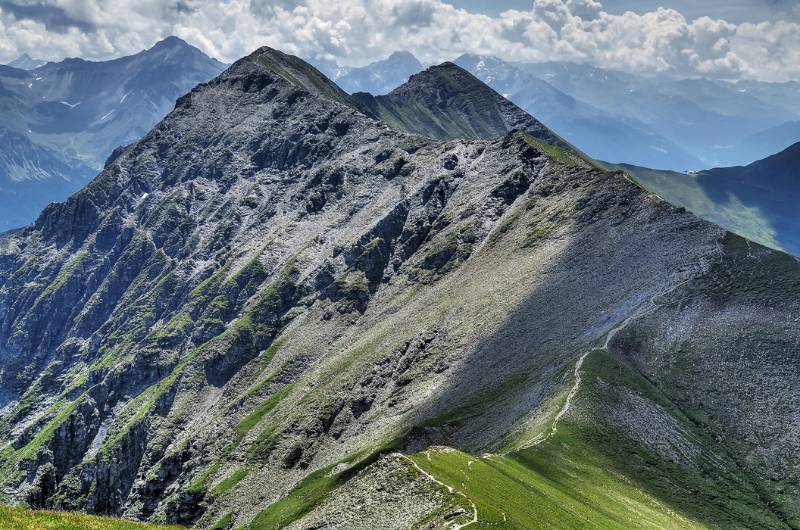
(26, 62)
(446, 101)
(60, 121)
(276, 311)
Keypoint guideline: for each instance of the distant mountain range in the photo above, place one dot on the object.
(602, 134)
(26, 62)
(380, 77)
(60, 121)
(709, 119)
(277, 311)
(659, 122)
(758, 201)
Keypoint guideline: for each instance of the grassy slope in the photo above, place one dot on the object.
(22, 519)
(597, 477)
(584, 476)
(682, 189)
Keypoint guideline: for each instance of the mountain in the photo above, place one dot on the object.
(603, 135)
(765, 143)
(25, 62)
(756, 201)
(447, 102)
(277, 311)
(69, 117)
(705, 118)
(380, 77)
(770, 186)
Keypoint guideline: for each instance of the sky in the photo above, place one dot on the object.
(736, 11)
(733, 39)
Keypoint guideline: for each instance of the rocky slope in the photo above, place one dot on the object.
(756, 201)
(60, 121)
(274, 310)
(601, 133)
(446, 102)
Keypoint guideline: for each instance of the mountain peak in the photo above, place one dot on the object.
(457, 105)
(446, 76)
(26, 62)
(171, 42)
(402, 57)
(294, 70)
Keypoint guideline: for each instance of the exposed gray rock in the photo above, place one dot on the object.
(270, 281)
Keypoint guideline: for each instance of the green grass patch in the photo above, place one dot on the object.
(230, 482)
(563, 156)
(223, 522)
(200, 482)
(28, 452)
(313, 489)
(252, 419)
(69, 269)
(263, 360)
(25, 519)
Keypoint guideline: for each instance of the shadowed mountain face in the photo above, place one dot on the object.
(277, 311)
(757, 201)
(62, 120)
(771, 185)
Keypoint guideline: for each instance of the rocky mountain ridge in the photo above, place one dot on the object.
(275, 310)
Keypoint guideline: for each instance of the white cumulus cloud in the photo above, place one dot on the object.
(358, 31)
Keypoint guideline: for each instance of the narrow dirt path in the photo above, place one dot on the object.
(577, 384)
(452, 526)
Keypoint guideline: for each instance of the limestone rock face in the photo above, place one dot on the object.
(273, 293)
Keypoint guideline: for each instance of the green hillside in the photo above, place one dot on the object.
(23, 519)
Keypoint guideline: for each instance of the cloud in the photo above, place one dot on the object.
(53, 17)
(358, 31)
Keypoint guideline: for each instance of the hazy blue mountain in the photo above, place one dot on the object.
(380, 77)
(758, 201)
(601, 134)
(329, 67)
(707, 119)
(26, 62)
(763, 143)
(62, 120)
(771, 185)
